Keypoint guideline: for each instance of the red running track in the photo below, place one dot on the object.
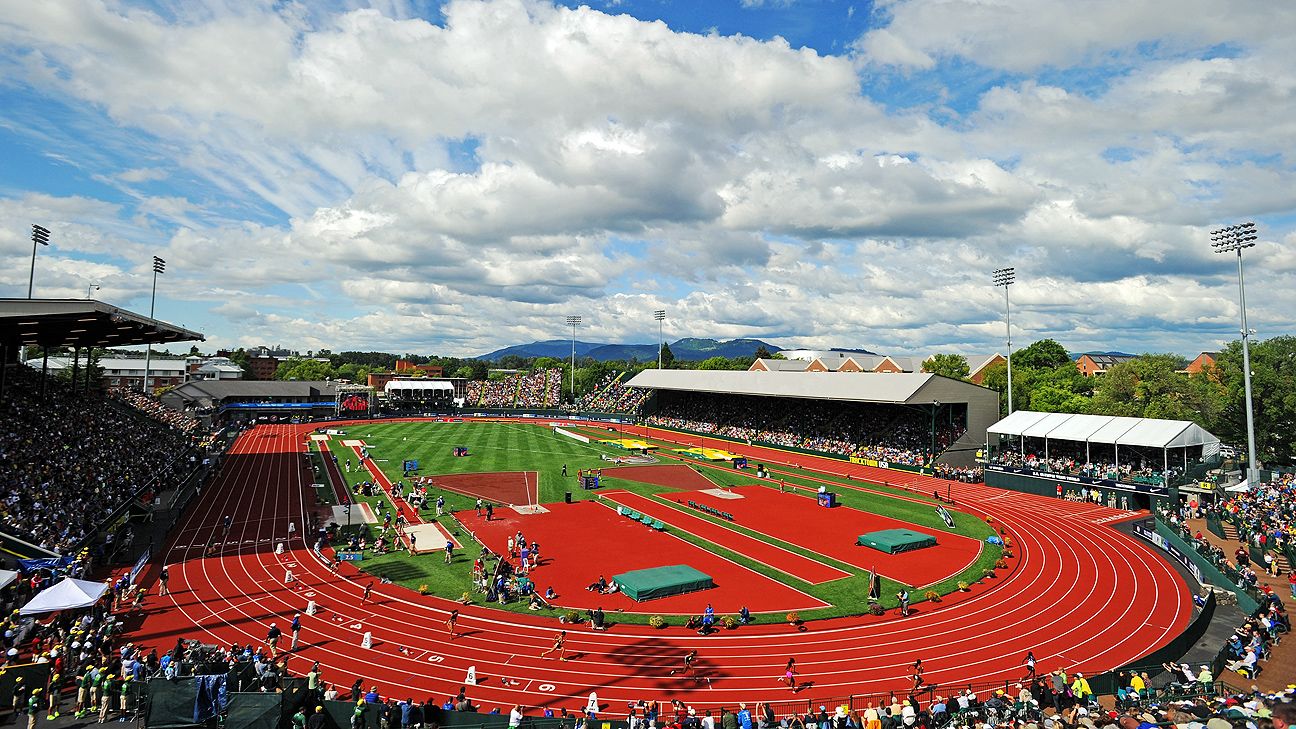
(580, 541)
(783, 560)
(785, 516)
(1082, 596)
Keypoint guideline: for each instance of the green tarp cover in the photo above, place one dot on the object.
(255, 711)
(658, 582)
(896, 540)
(171, 703)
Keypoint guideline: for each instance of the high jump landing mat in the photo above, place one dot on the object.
(655, 582)
(893, 541)
(629, 444)
(709, 454)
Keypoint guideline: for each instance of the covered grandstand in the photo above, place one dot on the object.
(1145, 456)
(74, 325)
(842, 402)
(437, 393)
(218, 402)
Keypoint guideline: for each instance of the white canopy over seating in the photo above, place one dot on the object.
(418, 389)
(7, 576)
(69, 594)
(1107, 430)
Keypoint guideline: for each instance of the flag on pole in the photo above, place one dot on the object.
(945, 515)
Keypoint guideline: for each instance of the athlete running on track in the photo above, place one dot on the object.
(559, 646)
(689, 658)
(364, 598)
(789, 674)
(451, 621)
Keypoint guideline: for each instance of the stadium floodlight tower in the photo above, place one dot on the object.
(574, 321)
(660, 316)
(1005, 277)
(159, 266)
(1227, 240)
(40, 236)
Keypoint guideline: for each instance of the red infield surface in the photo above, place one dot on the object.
(673, 475)
(785, 561)
(784, 516)
(502, 487)
(580, 541)
(1082, 596)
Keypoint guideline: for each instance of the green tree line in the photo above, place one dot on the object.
(1046, 379)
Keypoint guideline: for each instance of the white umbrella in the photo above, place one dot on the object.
(69, 594)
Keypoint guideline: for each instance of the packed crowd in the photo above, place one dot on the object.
(1069, 459)
(1266, 514)
(538, 389)
(91, 672)
(69, 460)
(151, 407)
(966, 474)
(612, 396)
(892, 434)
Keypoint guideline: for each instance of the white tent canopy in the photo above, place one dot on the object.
(7, 576)
(1105, 429)
(67, 595)
(425, 385)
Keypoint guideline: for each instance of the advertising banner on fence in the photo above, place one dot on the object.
(139, 566)
(1146, 529)
(1066, 478)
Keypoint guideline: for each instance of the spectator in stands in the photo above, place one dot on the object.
(68, 461)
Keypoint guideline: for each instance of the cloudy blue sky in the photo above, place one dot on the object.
(450, 177)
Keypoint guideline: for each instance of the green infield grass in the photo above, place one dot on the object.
(523, 446)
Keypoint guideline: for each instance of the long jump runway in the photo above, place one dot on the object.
(1083, 597)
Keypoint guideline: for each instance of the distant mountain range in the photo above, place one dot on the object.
(1077, 355)
(684, 349)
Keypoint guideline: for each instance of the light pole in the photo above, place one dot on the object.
(1227, 240)
(931, 462)
(91, 287)
(574, 321)
(659, 315)
(40, 236)
(1005, 277)
(159, 266)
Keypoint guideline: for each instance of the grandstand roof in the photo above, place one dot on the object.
(82, 323)
(1107, 429)
(915, 388)
(211, 392)
(418, 385)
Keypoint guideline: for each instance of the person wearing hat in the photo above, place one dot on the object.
(1080, 689)
(83, 692)
(299, 718)
(107, 685)
(33, 707)
(272, 638)
(317, 720)
(1205, 678)
(19, 695)
(125, 691)
(55, 694)
(296, 631)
